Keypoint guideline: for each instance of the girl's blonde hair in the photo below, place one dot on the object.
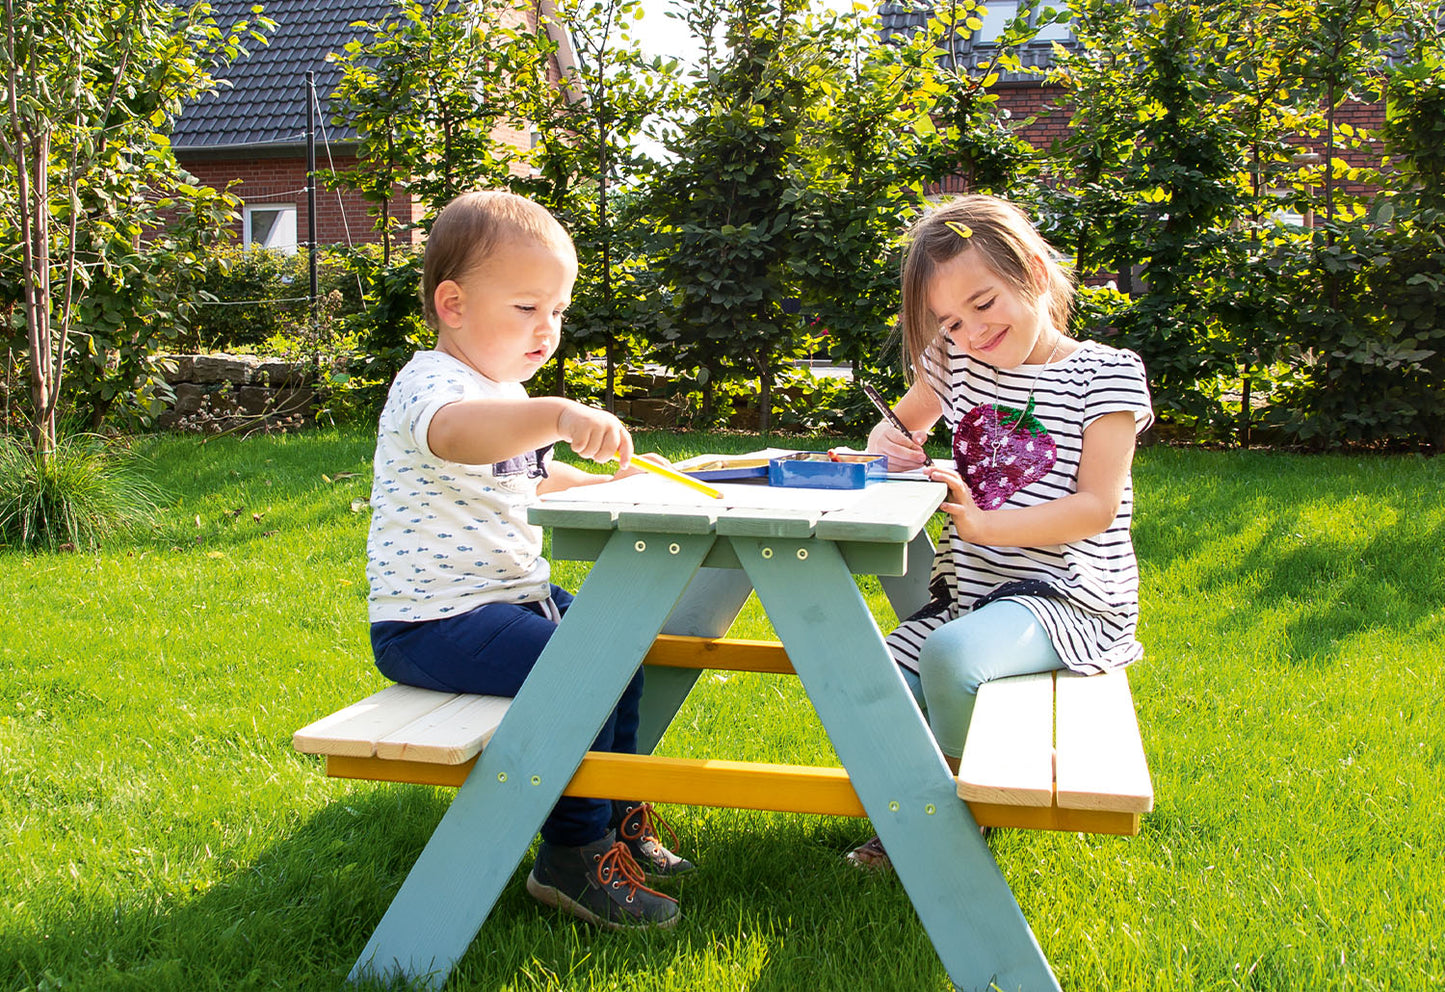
(471, 227)
(1006, 242)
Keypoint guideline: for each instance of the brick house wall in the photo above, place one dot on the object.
(1025, 99)
(252, 133)
(342, 216)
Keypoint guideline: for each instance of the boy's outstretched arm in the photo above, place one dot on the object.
(561, 475)
(485, 431)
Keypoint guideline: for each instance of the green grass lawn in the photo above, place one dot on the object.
(157, 832)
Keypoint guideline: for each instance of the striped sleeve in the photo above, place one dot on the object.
(1119, 384)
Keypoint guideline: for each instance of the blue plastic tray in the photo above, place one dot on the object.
(729, 469)
(822, 470)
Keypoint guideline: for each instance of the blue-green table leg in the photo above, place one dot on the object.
(898, 772)
(706, 609)
(557, 714)
(908, 593)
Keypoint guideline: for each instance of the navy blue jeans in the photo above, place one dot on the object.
(491, 650)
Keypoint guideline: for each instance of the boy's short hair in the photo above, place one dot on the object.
(470, 227)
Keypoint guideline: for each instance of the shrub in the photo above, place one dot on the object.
(85, 490)
(248, 295)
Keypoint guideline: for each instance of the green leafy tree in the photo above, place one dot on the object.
(1258, 79)
(588, 128)
(893, 119)
(808, 145)
(1376, 366)
(90, 181)
(426, 94)
(1366, 365)
(1415, 127)
(724, 208)
(1156, 162)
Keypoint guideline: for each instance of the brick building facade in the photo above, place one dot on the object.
(1048, 105)
(1024, 96)
(253, 131)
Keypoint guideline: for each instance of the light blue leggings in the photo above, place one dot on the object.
(994, 642)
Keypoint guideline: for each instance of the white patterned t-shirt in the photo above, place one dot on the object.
(1021, 434)
(447, 537)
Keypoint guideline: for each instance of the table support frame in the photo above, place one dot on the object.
(643, 584)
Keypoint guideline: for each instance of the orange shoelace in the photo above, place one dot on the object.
(619, 861)
(647, 821)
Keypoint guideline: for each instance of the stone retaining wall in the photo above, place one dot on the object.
(236, 392)
(243, 392)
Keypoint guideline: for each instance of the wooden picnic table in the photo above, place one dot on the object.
(684, 566)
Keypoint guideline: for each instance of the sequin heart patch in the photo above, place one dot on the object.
(1000, 450)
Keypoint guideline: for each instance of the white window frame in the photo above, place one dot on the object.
(282, 236)
(1057, 31)
(997, 13)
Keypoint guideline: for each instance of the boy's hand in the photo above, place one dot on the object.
(595, 434)
(651, 456)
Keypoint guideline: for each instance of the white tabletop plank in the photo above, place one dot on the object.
(887, 511)
(1008, 757)
(1101, 760)
(600, 505)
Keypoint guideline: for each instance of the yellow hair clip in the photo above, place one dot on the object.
(959, 228)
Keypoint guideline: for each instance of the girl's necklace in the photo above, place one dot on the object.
(1000, 433)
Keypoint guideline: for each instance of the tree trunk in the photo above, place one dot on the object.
(1332, 281)
(559, 378)
(610, 396)
(386, 198)
(34, 198)
(607, 303)
(1244, 407)
(385, 231)
(765, 392)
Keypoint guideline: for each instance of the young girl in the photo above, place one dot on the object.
(1035, 571)
(460, 595)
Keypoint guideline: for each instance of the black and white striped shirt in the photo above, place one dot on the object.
(1085, 593)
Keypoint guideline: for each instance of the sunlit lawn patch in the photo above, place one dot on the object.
(158, 832)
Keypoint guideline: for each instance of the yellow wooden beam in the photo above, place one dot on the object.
(1088, 821)
(714, 782)
(684, 781)
(725, 653)
(733, 784)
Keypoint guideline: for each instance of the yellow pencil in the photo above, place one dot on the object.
(675, 476)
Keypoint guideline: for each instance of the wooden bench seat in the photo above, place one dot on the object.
(1057, 751)
(1009, 776)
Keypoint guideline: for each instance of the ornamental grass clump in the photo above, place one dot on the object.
(84, 490)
